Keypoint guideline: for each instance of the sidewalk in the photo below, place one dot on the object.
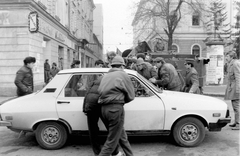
(4, 98)
(214, 90)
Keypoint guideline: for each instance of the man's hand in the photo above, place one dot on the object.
(153, 80)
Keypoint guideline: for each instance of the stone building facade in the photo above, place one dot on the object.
(190, 34)
(64, 31)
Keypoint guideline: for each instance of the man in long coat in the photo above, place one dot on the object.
(233, 85)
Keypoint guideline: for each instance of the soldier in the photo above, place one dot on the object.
(145, 69)
(167, 76)
(116, 89)
(92, 109)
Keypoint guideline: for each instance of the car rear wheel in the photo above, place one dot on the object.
(189, 132)
(51, 135)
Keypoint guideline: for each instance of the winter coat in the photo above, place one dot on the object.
(46, 66)
(90, 102)
(116, 88)
(54, 71)
(24, 81)
(148, 71)
(233, 78)
(168, 78)
(47, 75)
(192, 81)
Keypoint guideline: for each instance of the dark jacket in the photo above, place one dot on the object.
(168, 78)
(90, 102)
(192, 81)
(116, 88)
(148, 71)
(46, 66)
(54, 71)
(233, 81)
(24, 81)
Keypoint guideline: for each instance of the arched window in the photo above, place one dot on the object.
(196, 50)
(174, 48)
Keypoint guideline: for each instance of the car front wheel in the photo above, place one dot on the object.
(51, 135)
(189, 132)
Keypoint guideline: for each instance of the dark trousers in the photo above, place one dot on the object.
(235, 105)
(92, 120)
(113, 118)
(46, 76)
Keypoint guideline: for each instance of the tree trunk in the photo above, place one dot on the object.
(170, 41)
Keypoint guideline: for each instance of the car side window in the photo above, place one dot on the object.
(79, 84)
(140, 89)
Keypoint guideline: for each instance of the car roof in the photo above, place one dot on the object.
(92, 70)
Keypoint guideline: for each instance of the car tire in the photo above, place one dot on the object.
(51, 135)
(189, 132)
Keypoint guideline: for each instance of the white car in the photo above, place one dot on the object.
(55, 112)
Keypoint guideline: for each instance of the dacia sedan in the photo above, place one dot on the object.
(55, 112)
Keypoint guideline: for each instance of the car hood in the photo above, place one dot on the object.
(12, 102)
(188, 100)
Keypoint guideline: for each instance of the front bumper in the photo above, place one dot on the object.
(5, 123)
(220, 123)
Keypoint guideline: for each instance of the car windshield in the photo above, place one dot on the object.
(149, 83)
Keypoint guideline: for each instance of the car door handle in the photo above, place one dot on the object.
(60, 102)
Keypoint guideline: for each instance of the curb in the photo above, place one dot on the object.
(214, 94)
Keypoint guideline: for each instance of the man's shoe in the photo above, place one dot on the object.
(119, 154)
(233, 125)
(236, 127)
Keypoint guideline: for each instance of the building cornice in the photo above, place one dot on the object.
(34, 6)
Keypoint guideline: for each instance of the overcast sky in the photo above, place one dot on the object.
(117, 24)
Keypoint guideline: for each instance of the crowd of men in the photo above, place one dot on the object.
(107, 94)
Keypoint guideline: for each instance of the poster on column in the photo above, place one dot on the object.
(214, 74)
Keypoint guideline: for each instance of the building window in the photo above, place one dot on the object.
(174, 48)
(195, 19)
(196, 50)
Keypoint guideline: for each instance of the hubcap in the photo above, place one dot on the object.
(189, 133)
(51, 135)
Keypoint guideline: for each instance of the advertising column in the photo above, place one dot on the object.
(215, 73)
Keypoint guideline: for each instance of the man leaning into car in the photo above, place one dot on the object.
(24, 77)
(115, 90)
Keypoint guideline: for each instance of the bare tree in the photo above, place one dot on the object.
(236, 42)
(150, 12)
